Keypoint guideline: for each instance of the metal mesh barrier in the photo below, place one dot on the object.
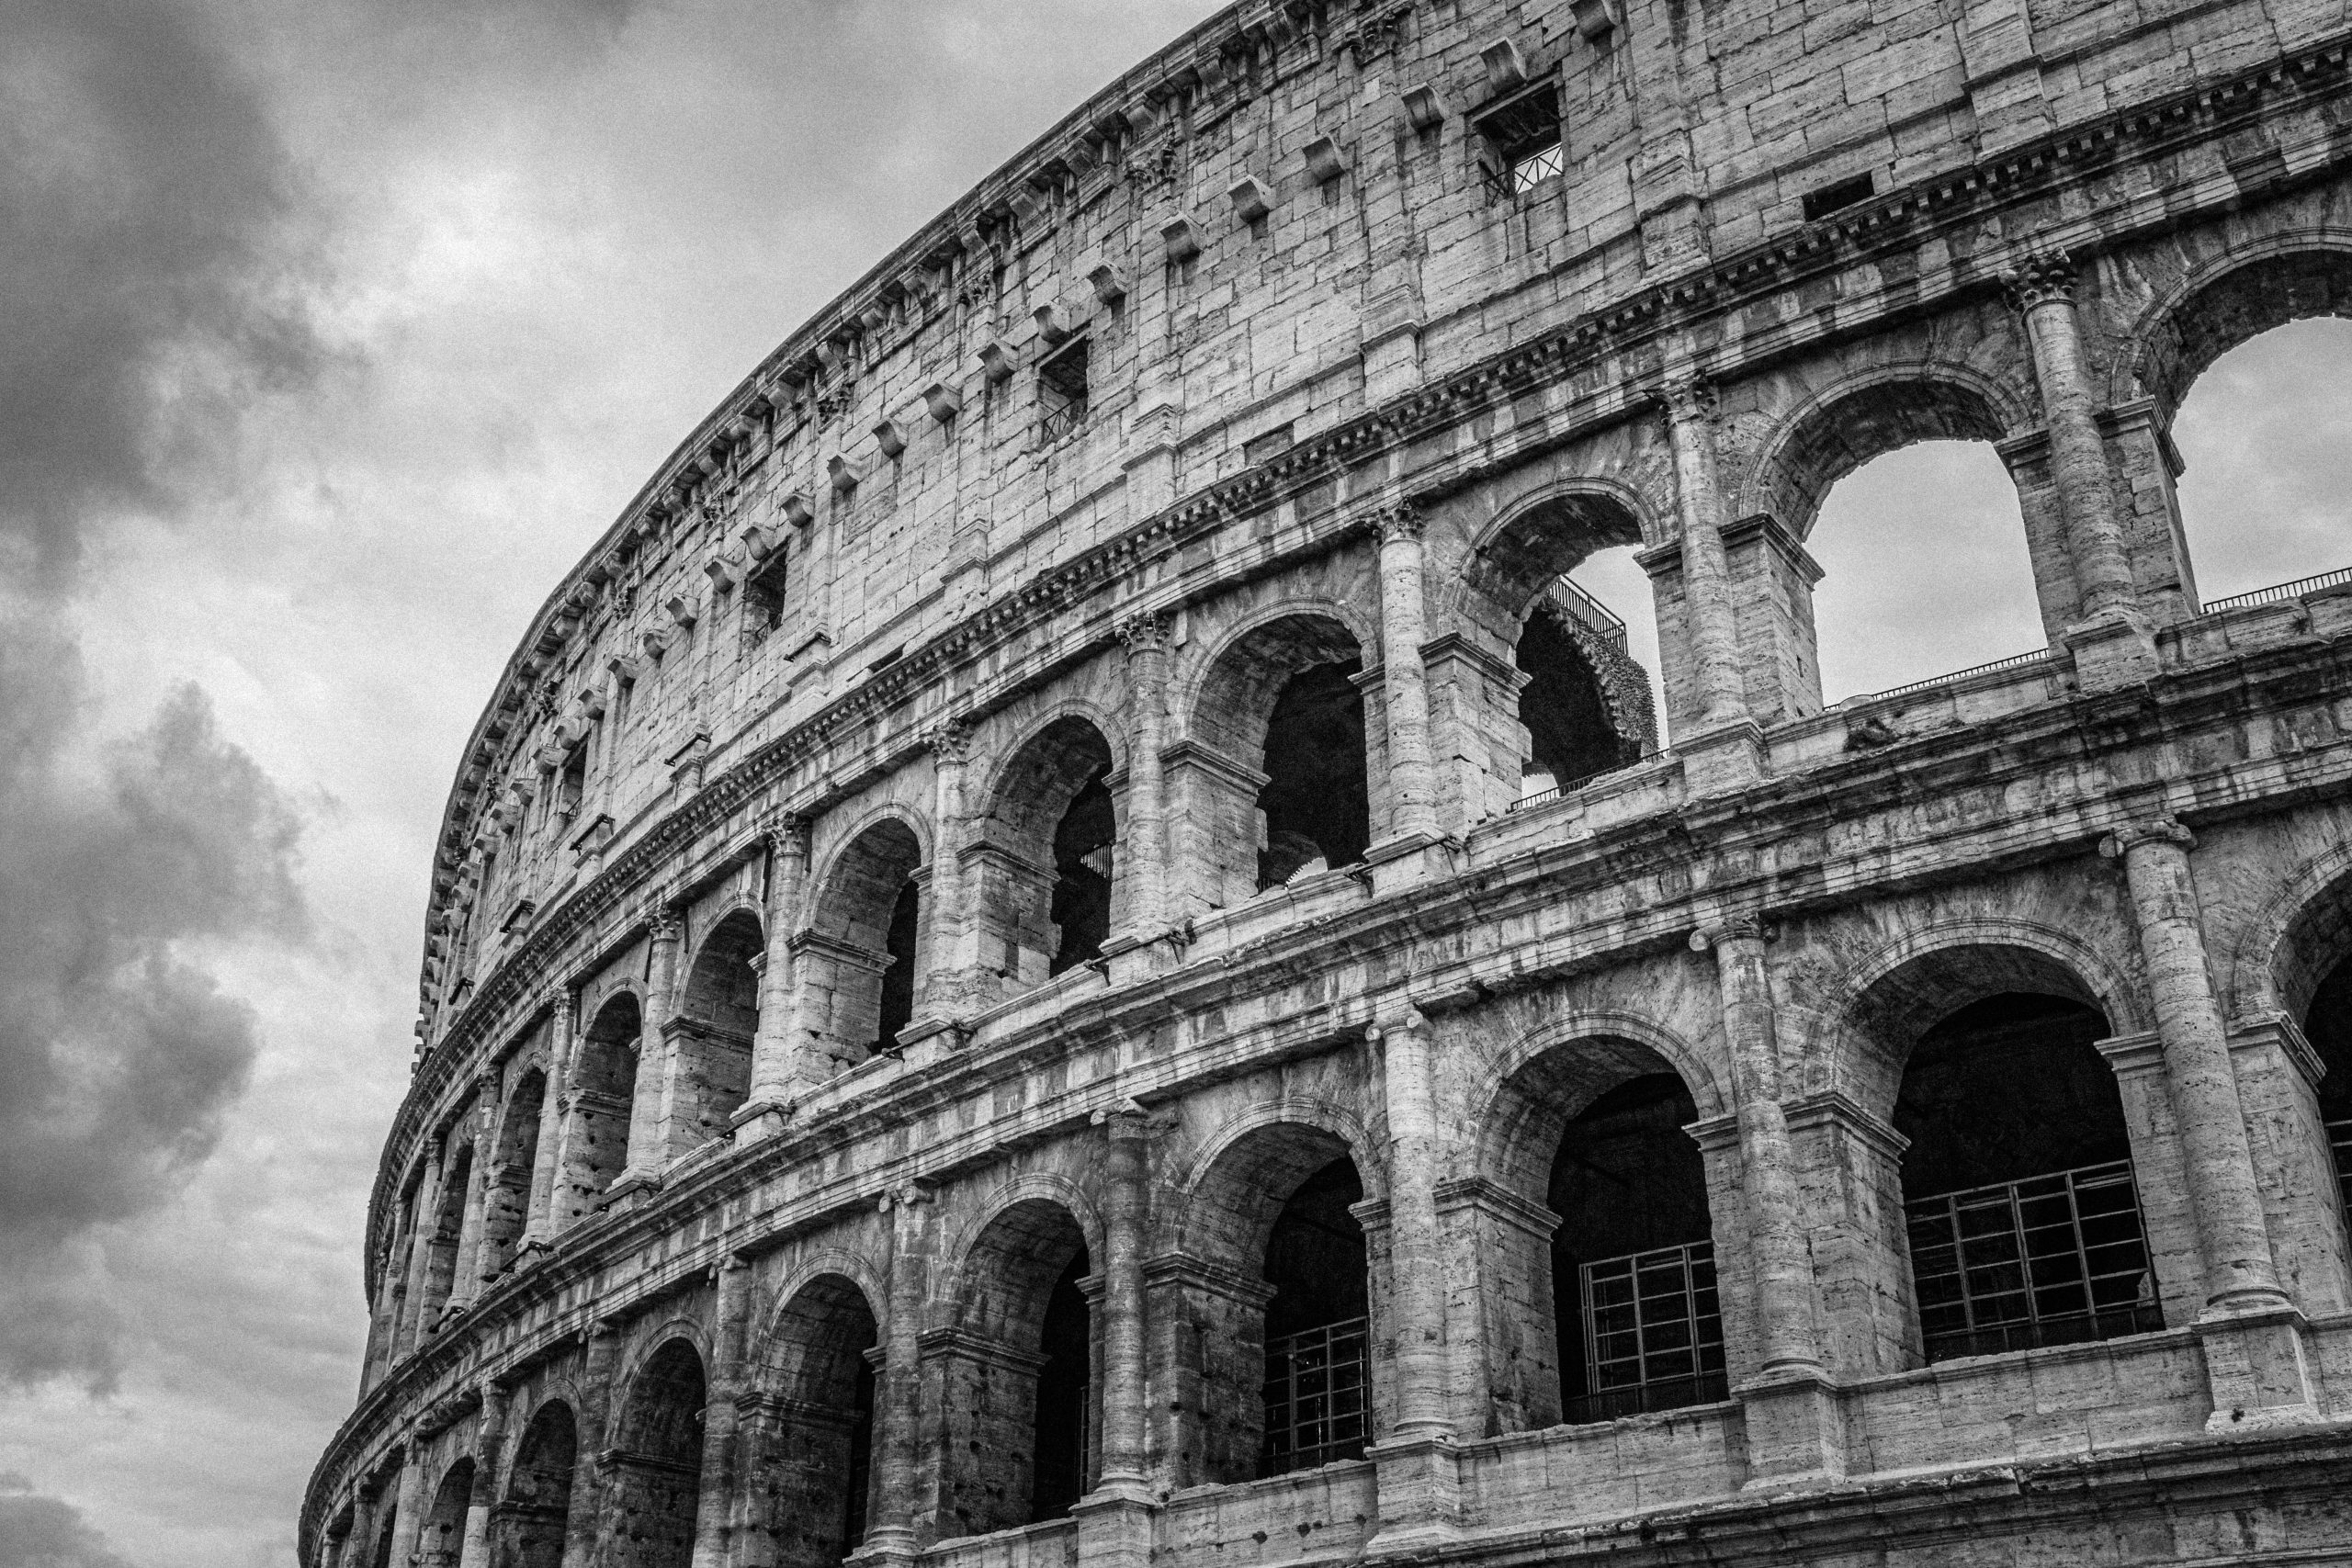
(1316, 1396)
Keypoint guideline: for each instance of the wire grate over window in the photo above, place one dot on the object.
(1316, 1397)
(1653, 1333)
(2054, 1259)
(2339, 1142)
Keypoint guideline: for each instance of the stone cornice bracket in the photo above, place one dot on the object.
(2041, 277)
(1402, 520)
(2148, 830)
(1687, 399)
(1145, 631)
(948, 740)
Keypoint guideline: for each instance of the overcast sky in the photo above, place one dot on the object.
(333, 332)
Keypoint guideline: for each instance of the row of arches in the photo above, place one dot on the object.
(2018, 1220)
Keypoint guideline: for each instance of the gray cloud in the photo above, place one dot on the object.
(150, 238)
(42, 1532)
(117, 1051)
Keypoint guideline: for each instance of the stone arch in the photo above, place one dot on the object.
(601, 1103)
(1585, 1121)
(1248, 818)
(441, 1538)
(535, 1505)
(1047, 840)
(2232, 299)
(1203, 1175)
(655, 1466)
(810, 1457)
(1540, 538)
(710, 1042)
(1867, 415)
(863, 957)
(1015, 1368)
(2296, 937)
(506, 1188)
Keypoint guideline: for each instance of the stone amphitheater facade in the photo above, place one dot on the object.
(1064, 946)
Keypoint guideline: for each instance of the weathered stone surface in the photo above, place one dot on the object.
(917, 1013)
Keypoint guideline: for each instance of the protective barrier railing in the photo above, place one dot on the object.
(2014, 661)
(2054, 1259)
(2294, 590)
(1653, 1333)
(2339, 1140)
(1587, 612)
(1315, 1394)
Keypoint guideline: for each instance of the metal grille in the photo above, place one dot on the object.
(2054, 1259)
(1058, 423)
(1539, 165)
(1314, 1398)
(2339, 1140)
(1653, 1333)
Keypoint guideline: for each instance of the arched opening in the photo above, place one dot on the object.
(1874, 483)
(1278, 1323)
(656, 1468)
(1634, 1302)
(442, 1244)
(1016, 1381)
(812, 1467)
(1621, 1312)
(1276, 781)
(1049, 856)
(604, 1093)
(2257, 368)
(1586, 700)
(861, 960)
(443, 1535)
(710, 1041)
(1317, 1385)
(382, 1556)
(2020, 1206)
(506, 1198)
(2313, 984)
(536, 1509)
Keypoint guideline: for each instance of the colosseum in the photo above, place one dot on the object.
(1069, 944)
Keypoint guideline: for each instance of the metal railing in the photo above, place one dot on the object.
(2054, 1259)
(2294, 590)
(1587, 612)
(1058, 424)
(1316, 1398)
(2014, 661)
(2339, 1142)
(1653, 1333)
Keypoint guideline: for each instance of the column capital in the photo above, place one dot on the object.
(2147, 831)
(906, 1195)
(1128, 1119)
(1689, 400)
(948, 740)
(665, 923)
(1732, 928)
(784, 831)
(1400, 524)
(1143, 631)
(2042, 277)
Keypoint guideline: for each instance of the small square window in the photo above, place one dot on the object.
(1524, 145)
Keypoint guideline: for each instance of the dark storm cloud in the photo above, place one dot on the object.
(147, 243)
(118, 1053)
(42, 1533)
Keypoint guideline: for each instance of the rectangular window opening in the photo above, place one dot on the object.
(1523, 141)
(1061, 391)
(1829, 199)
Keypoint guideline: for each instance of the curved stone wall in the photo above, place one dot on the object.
(920, 953)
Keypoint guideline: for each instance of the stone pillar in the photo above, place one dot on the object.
(1792, 1412)
(563, 1029)
(465, 1276)
(1145, 636)
(2258, 1361)
(665, 934)
(2232, 1243)
(714, 1508)
(898, 1415)
(583, 1518)
(947, 990)
(473, 1550)
(773, 1046)
(409, 1504)
(1419, 1479)
(2044, 289)
(424, 1222)
(1719, 695)
(1128, 1131)
(1412, 771)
